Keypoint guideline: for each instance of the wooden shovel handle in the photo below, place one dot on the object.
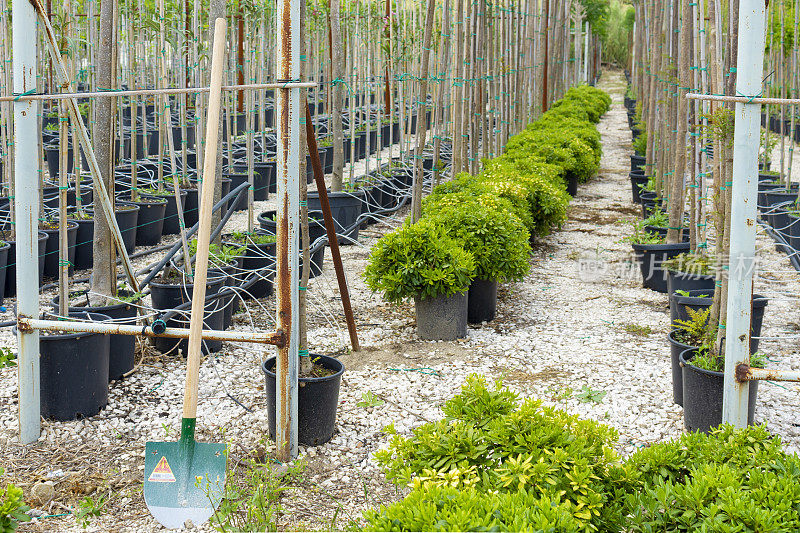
(204, 232)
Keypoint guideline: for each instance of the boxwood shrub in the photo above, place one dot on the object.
(495, 464)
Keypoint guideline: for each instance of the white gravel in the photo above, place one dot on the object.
(560, 329)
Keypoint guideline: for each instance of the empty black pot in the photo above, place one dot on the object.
(51, 252)
(317, 401)
(150, 221)
(73, 372)
(171, 224)
(345, 210)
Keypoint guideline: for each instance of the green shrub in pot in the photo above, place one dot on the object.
(419, 261)
(497, 239)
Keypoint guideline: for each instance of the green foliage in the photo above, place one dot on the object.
(255, 238)
(225, 254)
(589, 395)
(707, 361)
(370, 399)
(251, 498)
(618, 28)
(12, 508)
(729, 480)
(514, 457)
(698, 264)
(7, 357)
(695, 331)
(641, 236)
(496, 239)
(90, 508)
(640, 143)
(658, 219)
(419, 261)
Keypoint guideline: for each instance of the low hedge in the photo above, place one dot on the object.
(495, 464)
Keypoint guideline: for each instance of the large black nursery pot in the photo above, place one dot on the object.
(317, 401)
(150, 221)
(259, 262)
(702, 396)
(73, 372)
(345, 210)
(228, 273)
(316, 229)
(687, 281)
(127, 215)
(4, 268)
(11, 272)
(638, 180)
(700, 300)
(651, 256)
(675, 350)
(662, 231)
(167, 296)
(443, 318)
(190, 207)
(240, 204)
(51, 249)
(122, 348)
(637, 162)
(171, 224)
(481, 301)
(84, 243)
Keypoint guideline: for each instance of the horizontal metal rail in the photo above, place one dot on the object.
(276, 338)
(748, 373)
(743, 99)
(143, 92)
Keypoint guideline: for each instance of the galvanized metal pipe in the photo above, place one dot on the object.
(26, 325)
(747, 373)
(143, 92)
(26, 220)
(747, 130)
(288, 221)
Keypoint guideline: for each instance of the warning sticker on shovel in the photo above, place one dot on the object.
(162, 473)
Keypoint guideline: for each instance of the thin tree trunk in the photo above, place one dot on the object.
(338, 95)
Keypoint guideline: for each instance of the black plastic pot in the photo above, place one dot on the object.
(260, 259)
(237, 180)
(481, 301)
(345, 210)
(171, 224)
(702, 396)
(316, 229)
(696, 303)
(675, 350)
(4, 268)
(637, 182)
(167, 296)
(443, 318)
(190, 207)
(228, 273)
(662, 231)
(73, 372)
(122, 348)
(317, 401)
(650, 257)
(11, 272)
(637, 162)
(572, 184)
(683, 281)
(127, 215)
(150, 221)
(51, 252)
(84, 243)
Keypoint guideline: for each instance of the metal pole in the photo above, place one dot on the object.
(743, 209)
(155, 330)
(26, 170)
(288, 224)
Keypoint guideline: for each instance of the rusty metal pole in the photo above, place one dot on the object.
(287, 260)
(330, 228)
(26, 167)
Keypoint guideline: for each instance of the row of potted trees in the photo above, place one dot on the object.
(476, 231)
(693, 277)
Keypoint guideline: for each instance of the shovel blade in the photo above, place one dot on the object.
(183, 481)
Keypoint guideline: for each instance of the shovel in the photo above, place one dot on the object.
(185, 480)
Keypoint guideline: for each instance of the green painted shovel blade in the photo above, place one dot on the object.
(184, 480)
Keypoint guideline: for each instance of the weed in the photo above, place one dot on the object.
(636, 329)
(90, 508)
(7, 358)
(370, 399)
(587, 394)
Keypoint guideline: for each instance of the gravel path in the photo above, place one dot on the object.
(578, 332)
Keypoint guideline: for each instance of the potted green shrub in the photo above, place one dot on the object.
(499, 244)
(421, 262)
